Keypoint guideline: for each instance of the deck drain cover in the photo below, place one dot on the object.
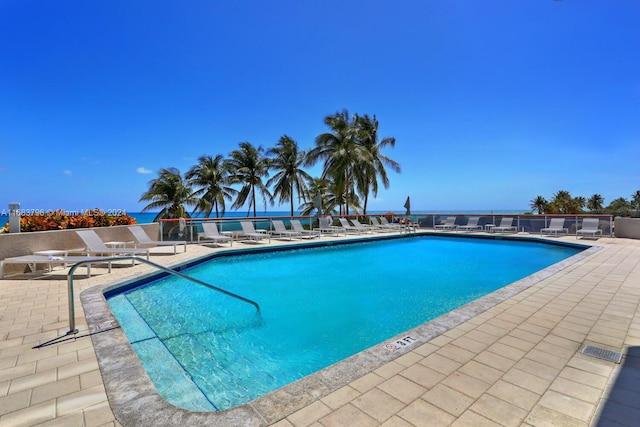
(601, 353)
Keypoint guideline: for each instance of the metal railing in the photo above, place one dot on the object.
(169, 228)
(528, 223)
(72, 316)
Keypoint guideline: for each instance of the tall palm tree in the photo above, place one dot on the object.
(595, 203)
(249, 166)
(577, 204)
(170, 192)
(539, 204)
(374, 168)
(212, 175)
(562, 202)
(340, 151)
(290, 178)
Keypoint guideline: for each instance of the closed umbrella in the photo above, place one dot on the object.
(407, 206)
(182, 224)
(317, 204)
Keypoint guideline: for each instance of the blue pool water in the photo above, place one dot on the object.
(205, 351)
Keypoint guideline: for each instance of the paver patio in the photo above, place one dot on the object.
(517, 363)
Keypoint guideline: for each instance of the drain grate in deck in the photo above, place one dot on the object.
(602, 353)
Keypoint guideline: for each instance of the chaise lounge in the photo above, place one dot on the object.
(210, 232)
(95, 245)
(297, 226)
(506, 224)
(143, 239)
(556, 225)
(365, 228)
(472, 224)
(375, 222)
(33, 260)
(326, 226)
(448, 224)
(392, 226)
(250, 232)
(348, 228)
(590, 227)
(280, 230)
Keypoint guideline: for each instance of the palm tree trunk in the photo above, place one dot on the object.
(253, 196)
(291, 196)
(366, 199)
(346, 191)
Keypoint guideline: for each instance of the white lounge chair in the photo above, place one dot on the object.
(250, 232)
(210, 232)
(448, 224)
(143, 239)
(590, 227)
(326, 226)
(386, 223)
(297, 226)
(556, 225)
(506, 224)
(280, 230)
(364, 228)
(33, 260)
(375, 222)
(95, 245)
(346, 227)
(472, 224)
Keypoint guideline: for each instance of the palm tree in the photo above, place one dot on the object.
(331, 199)
(340, 151)
(595, 203)
(249, 166)
(619, 207)
(170, 192)
(290, 177)
(324, 187)
(562, 202)
(539, 204)
(369, 171)
(212, 175)
(578, 203)
(635, 198)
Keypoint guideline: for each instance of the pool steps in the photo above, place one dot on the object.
(72, 320)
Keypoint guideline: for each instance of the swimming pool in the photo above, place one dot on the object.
(319, 306)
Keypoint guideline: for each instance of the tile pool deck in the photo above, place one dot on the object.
(519, 362)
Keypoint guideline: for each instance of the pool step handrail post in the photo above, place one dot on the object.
(72, 310)
(72, 317)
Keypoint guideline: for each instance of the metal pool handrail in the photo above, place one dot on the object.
(72, 318)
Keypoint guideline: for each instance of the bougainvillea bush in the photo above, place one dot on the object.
(60, 220)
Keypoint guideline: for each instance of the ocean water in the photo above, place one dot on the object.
(147, 217)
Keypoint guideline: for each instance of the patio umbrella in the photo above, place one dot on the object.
(407, 206)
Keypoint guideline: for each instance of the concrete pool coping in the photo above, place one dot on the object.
(135, 401)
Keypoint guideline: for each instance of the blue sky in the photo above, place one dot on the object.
(491, 102)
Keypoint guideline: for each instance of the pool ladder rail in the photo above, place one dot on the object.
(72, 319)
